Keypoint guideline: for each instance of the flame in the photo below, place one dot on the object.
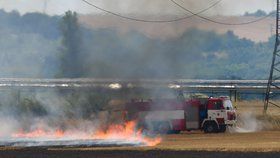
(126, 132)
(39, 133)
(122, 132)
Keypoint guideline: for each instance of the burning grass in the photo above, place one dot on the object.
(263, 143)
(117, 134)
(64, 132)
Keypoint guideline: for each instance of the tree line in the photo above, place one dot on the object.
(38, 45)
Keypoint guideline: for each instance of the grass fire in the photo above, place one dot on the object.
(137, 79)
(114, 135)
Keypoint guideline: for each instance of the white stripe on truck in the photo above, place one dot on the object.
(163, 115)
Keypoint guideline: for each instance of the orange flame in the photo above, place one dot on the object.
(126, 132)
(39, 133)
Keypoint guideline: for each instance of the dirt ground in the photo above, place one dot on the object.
(191, 144)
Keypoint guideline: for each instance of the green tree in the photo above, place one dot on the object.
(70, 65)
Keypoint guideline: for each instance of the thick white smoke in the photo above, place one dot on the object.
(247, 123)
(55, 121)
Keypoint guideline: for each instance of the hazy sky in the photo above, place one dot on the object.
(137, 6)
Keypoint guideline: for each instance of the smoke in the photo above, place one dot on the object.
(136, 7)
(247, 122)
(56, 118)
(155, 7)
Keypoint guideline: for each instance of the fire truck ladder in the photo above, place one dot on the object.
(275, 68)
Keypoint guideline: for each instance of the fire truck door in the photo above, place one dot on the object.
(192, 117)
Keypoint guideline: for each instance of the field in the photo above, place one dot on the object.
(250, 113)
(194, 144)
(248, 141)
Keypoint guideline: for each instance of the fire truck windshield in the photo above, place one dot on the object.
(228, 105)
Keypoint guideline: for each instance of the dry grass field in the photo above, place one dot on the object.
(252, 112)
(252, 142)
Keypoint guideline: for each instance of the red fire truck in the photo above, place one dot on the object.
(174, 115)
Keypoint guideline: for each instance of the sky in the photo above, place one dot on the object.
(226, 7)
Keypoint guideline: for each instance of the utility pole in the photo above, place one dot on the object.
(274, 76)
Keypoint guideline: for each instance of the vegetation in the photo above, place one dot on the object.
(70, 62)
(260, 13)
(37, 45)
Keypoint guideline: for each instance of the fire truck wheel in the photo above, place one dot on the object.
(222, 128)
(210, 127)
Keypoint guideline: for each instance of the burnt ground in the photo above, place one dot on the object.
(263, 144)
(45, 153)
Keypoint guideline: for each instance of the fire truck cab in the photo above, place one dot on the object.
(215, 114)
(173, 116)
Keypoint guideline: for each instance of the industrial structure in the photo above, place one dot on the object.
(275, 67)
(231, 88)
